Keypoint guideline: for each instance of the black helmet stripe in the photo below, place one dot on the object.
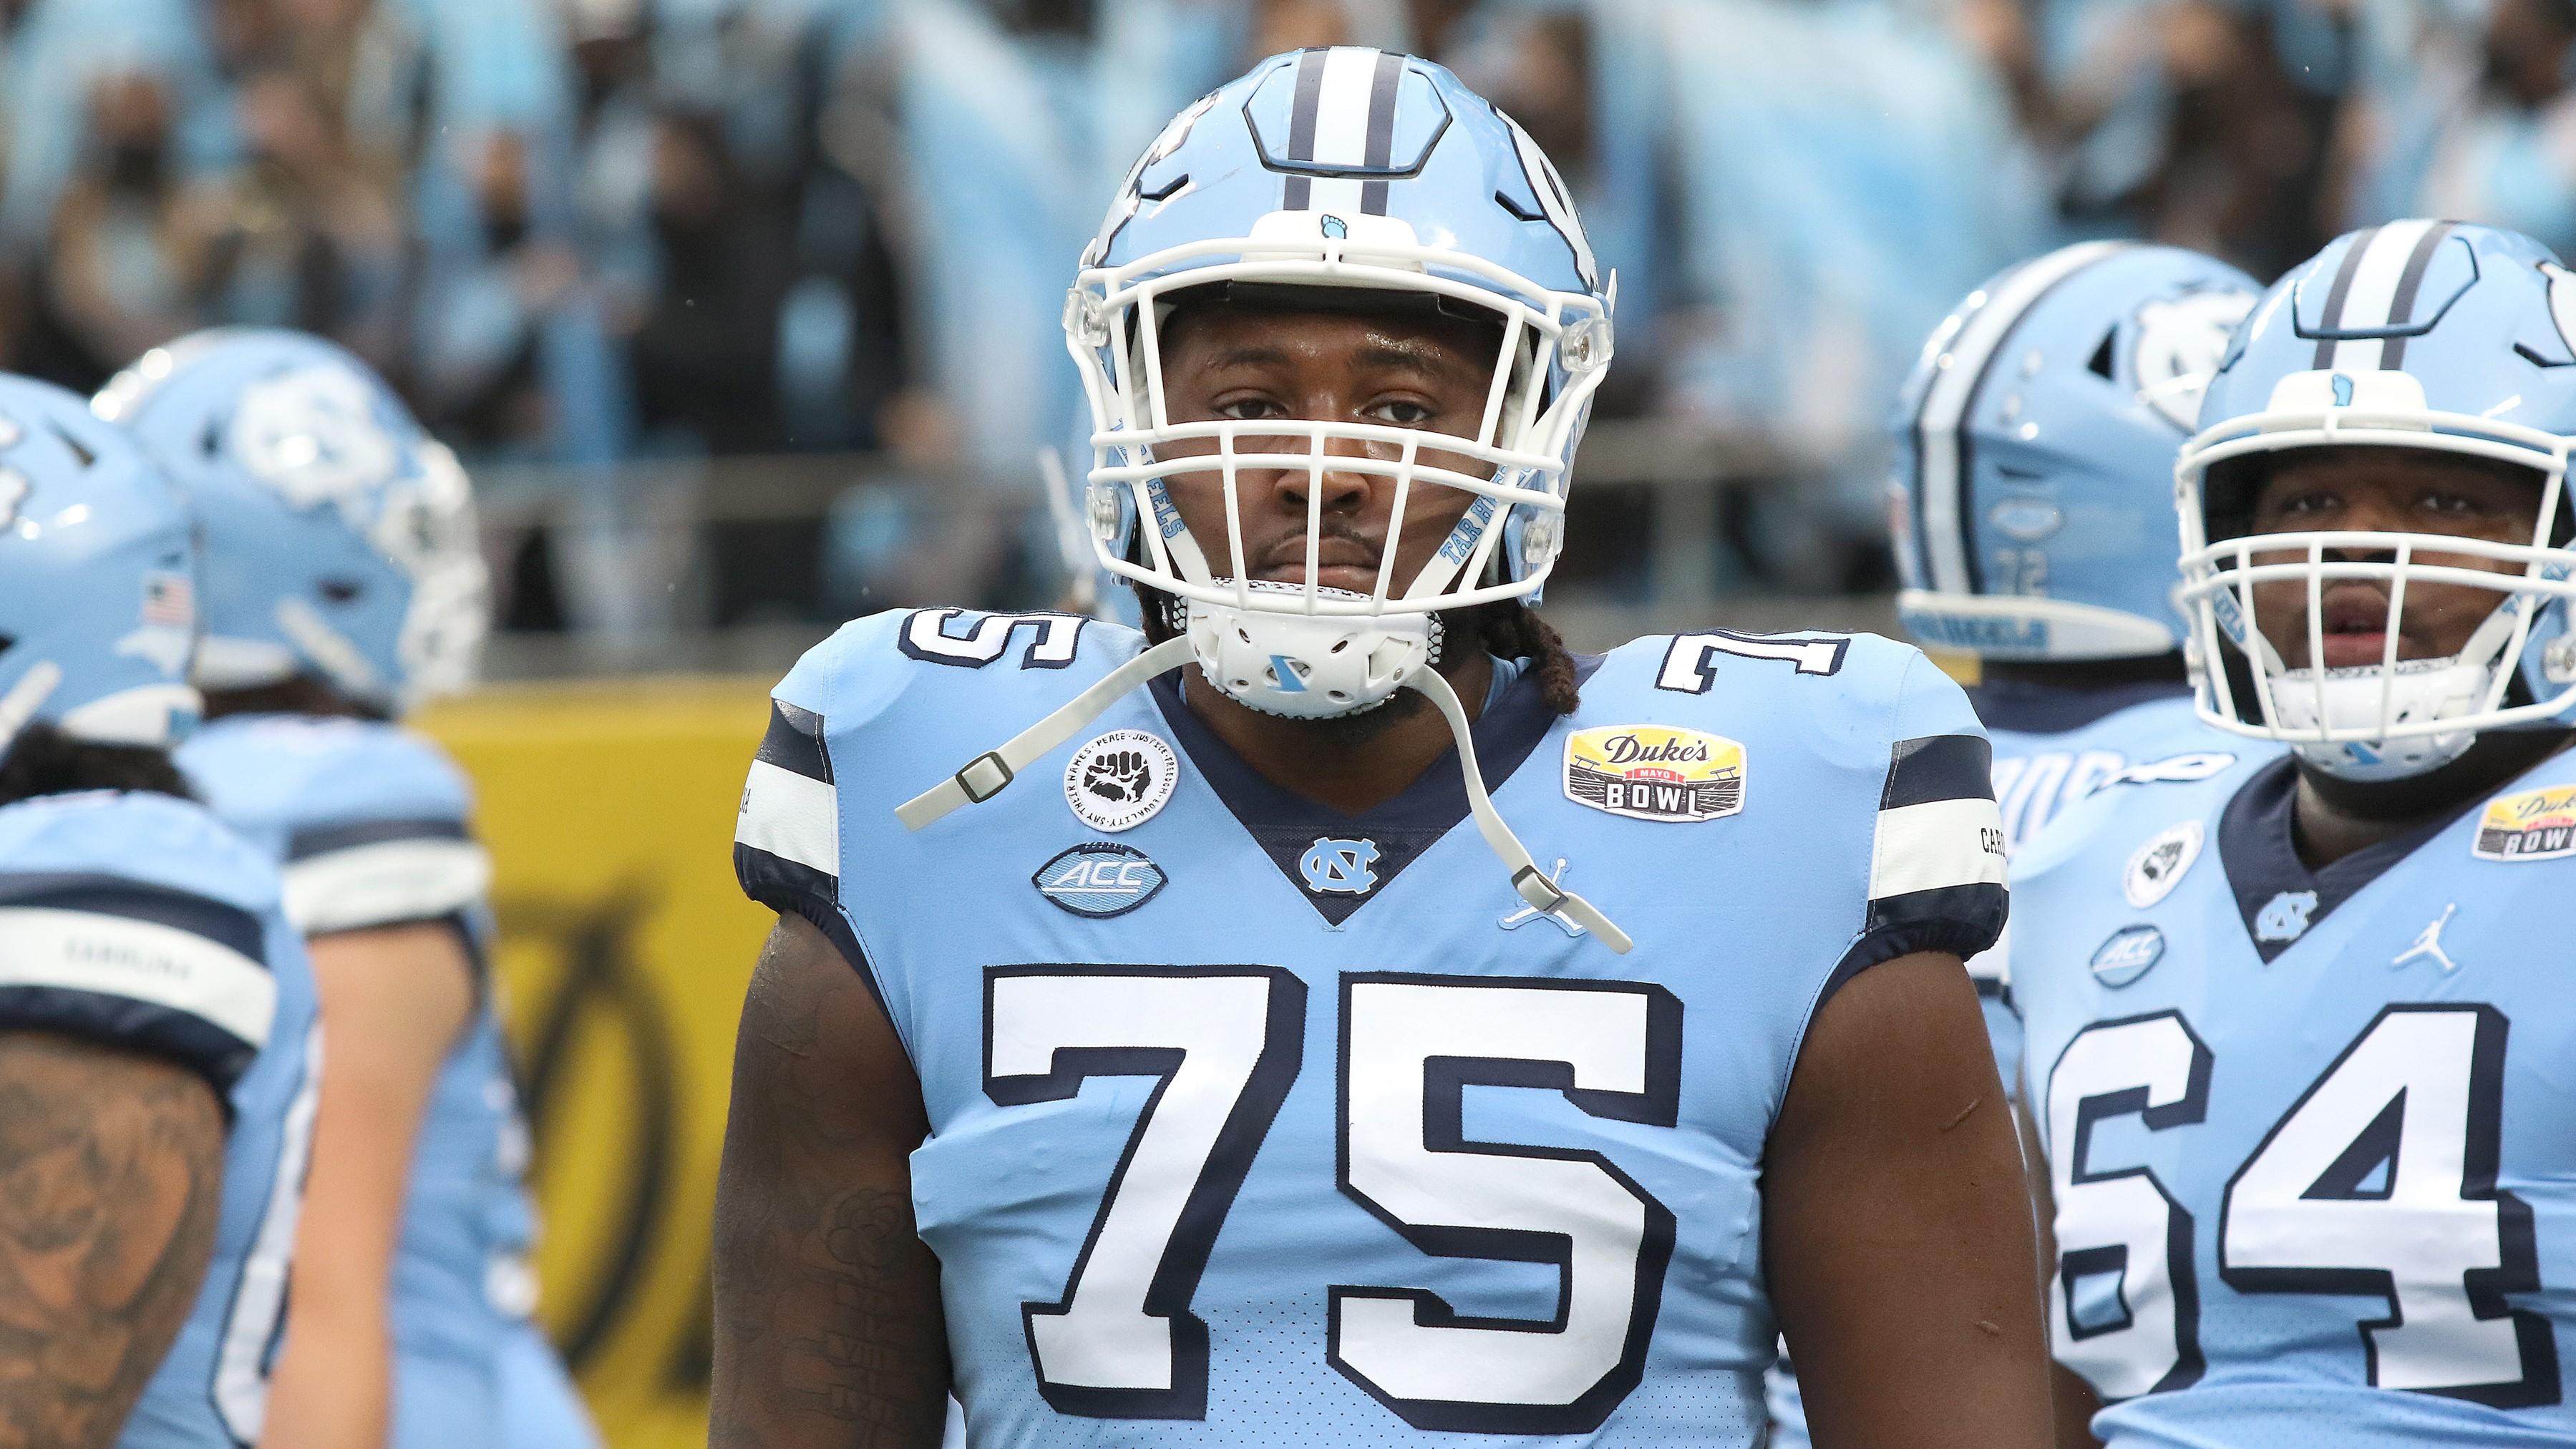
(1943, 520)
(2402, 311)
(2337, 293)
(1381, 128)
(1343, 116)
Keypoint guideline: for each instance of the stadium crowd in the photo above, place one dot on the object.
(581, 231)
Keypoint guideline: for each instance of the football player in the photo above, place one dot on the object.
(157, 1043)
(2031, 512)
(343, 583)
(2298, 1033)
(1185, 1069)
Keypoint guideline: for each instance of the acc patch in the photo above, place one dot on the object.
(1655, 772)
(2127, 955)
(1099, 879)
(2157, 866)
(1121, 780)
(2532, 825)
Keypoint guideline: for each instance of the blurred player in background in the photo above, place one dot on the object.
(342, 584)
(157, 1040)
(2299, 1033)
(2032, 518)
(1473, 1154)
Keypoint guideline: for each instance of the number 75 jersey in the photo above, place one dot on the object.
(2311, 1134)
(1256, 1124)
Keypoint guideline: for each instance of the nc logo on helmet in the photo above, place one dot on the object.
(1340, 867)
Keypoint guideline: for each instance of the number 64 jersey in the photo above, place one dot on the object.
(2312, 1134)
(1258, 1124)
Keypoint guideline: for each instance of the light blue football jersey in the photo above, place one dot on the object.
(140, 921)
(2052, 747)
(1254, 1123)
(371, 824)
(2312, 1133)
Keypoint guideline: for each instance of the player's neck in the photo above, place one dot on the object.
(1351, 764)
(2333, 818)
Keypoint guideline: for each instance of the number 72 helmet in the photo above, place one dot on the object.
(2032, 503)
(97, 613)
(1354, 175)
(2426, 335)
(339, 537)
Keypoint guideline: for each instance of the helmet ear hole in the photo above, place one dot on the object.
(342, 591)
(2100, 366)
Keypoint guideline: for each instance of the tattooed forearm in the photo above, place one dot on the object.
(111, 1180)
(828, 1328)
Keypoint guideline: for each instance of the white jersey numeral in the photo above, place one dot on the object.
(250, 1342)
(1122, 1342)
(1411, 1046)
(1226, 1043)
(925, 637)
(2381, 1182)
(1690, 669)
(2122, 1307)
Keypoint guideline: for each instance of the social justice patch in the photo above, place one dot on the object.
(1120, 780)
(2158, 866)
(2530, 825)
(1655, 772)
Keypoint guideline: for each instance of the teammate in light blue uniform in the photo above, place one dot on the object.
(342, 585)
(1250, 1079)
(132, 919)
(2031, 512)
(2298, 1032)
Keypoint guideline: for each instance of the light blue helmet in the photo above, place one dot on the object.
(339, 538)
(1365, 175)
(2032, 504)
(2427, 335)
(97, 613)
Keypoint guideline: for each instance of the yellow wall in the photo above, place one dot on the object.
(609, 811)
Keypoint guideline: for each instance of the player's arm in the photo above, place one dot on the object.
(1897, 1233)
(2073, 1398)
(828, 1330)
(111, 1181)
(394, 999)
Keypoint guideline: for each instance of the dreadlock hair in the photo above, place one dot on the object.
(1514, 630)
(43, 760)
(1508, 628)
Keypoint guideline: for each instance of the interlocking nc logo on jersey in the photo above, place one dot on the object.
(1340, 867)
(2285, 916)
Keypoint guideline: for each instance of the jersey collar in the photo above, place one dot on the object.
(1355, 856)
(2026, 708)
(2280, 899)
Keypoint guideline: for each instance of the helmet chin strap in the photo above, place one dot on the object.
(2408, 691)
(988, 774)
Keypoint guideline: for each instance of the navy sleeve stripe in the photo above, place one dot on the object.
(228, 926)
(795, 742)
(794, 889)
(324, 839)
(1959, 920)
(135, 1025)
(1939, 767)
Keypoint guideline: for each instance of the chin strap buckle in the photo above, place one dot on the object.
(995, 768)
(1543, 894)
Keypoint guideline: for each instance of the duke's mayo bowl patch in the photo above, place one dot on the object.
(1655, 772)
(2530, 825)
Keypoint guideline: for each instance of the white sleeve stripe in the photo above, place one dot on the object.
(141, 961)
(792, 817)
(1936, 845)
(385, 883)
